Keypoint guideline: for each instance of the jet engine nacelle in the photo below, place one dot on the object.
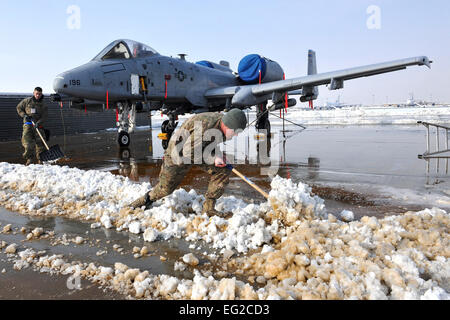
(254, 68)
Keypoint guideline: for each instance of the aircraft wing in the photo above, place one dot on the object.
(335, 79)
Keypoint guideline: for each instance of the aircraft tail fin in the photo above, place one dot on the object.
(311, 93)
(312, 63)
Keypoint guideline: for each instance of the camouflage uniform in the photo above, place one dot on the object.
(173, 170)
(31, 141)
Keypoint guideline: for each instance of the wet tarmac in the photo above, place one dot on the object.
(368, 170)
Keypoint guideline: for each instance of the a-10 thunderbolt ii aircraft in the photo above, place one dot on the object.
(127, 75)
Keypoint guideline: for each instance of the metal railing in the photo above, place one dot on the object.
(438, 153)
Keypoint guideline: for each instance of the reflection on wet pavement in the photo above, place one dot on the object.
(359, 161)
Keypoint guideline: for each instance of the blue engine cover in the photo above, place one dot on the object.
(250, 66)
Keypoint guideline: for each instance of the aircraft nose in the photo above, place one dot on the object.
(59, 84)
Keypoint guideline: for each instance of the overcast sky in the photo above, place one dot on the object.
(44, 38)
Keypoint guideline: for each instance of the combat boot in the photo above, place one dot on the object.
(142, 201)
(208, 208)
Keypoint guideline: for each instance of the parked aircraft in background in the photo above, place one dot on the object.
(336, 105)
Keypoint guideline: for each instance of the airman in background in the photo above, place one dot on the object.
(34, 113)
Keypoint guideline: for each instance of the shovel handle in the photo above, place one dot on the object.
(40, 135)
(254, 186)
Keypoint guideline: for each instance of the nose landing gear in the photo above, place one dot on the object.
(126, 121)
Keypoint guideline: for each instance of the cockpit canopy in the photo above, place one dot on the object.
(125, 49)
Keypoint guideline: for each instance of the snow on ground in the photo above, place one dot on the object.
(367, 116)
(301, 251)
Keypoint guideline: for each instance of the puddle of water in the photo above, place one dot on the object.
(27, 285)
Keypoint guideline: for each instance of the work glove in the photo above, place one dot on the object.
(220, 162)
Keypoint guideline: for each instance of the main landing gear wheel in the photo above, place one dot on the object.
(264, 144)
(124, 139)
(263, 128)
(267, 127)
(168, 127)
(164, 126)
(263, 123)
(165, 129)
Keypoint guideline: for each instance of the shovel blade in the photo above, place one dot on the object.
(53, 154)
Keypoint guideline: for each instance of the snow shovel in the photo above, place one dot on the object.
(240, 175)
(52, 154)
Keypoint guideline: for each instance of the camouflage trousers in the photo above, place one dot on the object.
(31, 142)
(172, 175)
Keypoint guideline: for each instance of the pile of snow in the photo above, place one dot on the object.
(291, 201)
(304, 253)
(136, 283)
(398, 257)
(70, 184)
